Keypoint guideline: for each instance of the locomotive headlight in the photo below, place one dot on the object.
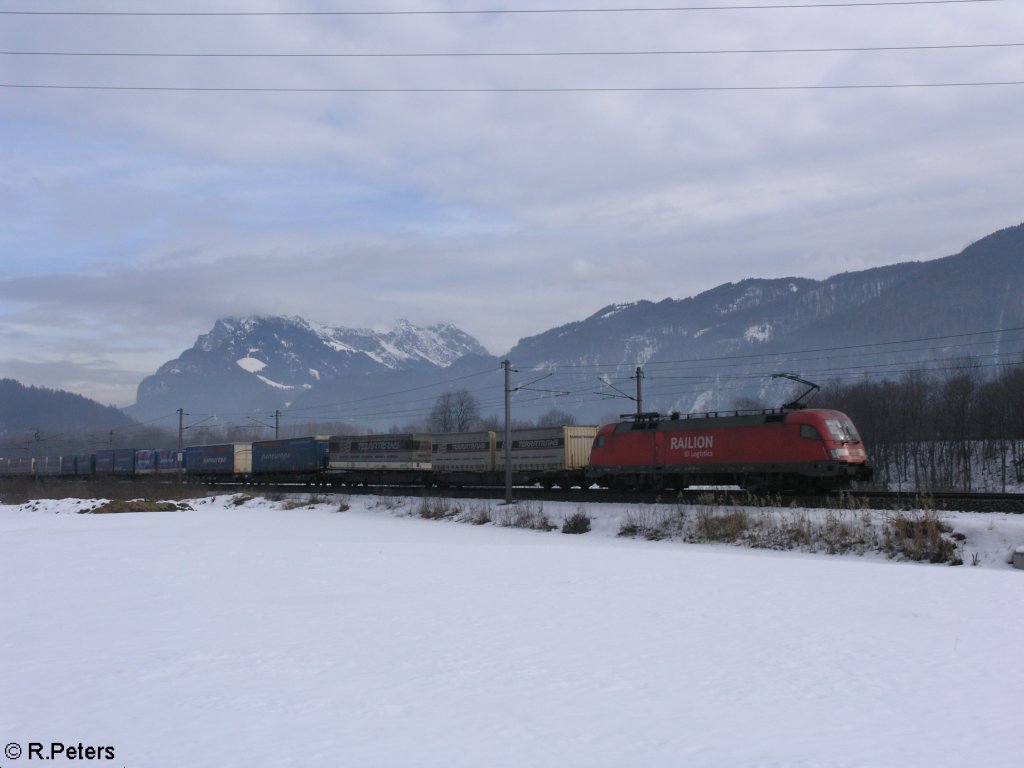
(848, 453)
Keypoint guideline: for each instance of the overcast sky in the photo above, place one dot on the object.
(130, 220)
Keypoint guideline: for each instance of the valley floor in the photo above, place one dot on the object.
(249, 634)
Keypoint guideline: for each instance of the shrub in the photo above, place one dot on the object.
(438, 509)
(722, 526)
(576, 523)
(526, 515)
(390, 503)
(653, 524)
(919, 536)
(478, 514)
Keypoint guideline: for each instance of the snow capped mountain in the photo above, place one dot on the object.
(264, 342)
(265, 363)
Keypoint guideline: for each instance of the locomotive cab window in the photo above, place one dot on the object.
(843, 431)
(810, 432)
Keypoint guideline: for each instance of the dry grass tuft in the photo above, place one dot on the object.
(139, 505)
(525, 514)
(844, 527)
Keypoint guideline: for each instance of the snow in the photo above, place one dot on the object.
(255, 635)
(761, 332)
(279, 385)
(615, 309)
(250, 364)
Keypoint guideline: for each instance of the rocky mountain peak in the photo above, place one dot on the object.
(262, 363)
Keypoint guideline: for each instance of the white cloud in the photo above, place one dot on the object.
(129, 221)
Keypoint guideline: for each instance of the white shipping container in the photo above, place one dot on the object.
(548, 449)
(463, 451)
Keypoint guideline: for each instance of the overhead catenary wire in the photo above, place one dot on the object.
(719, 374)
(811, 350)
(507, 54)
(270, 88)
(569, 89)
(507, 11)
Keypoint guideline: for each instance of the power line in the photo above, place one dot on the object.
(813, 350)
(510, 54)
(581, 89)
(501, 11)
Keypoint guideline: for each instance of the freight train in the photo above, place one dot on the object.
(786, 449)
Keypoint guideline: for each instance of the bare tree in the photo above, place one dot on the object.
(455, 411)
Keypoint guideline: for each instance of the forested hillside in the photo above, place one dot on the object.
(38, 408)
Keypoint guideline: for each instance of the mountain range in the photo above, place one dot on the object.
(698, 353)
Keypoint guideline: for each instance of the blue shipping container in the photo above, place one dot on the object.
(145, 461)
(124, 461)
(227, 459)
(300, 454)
(167, 461)
(104, 462)
(85, 464)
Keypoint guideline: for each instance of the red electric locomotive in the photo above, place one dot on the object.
(771, 450)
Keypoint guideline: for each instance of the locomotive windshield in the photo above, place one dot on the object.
(842, 430)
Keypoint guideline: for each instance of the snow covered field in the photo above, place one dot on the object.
(256, 635)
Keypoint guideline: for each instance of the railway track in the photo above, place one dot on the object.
(953, 501)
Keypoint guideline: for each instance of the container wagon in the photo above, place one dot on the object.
(104, 464)
(464, 458)
(219, 462)
(549, 456)
(85, 464)
(377, 459)
(48, 466)
(298, 460)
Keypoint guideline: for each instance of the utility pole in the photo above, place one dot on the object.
(639, 391)
(36, 459)
(277, 424)
(181, 432)
(508, 430)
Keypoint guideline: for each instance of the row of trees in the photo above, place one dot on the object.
(459, 411)
(957, 429)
